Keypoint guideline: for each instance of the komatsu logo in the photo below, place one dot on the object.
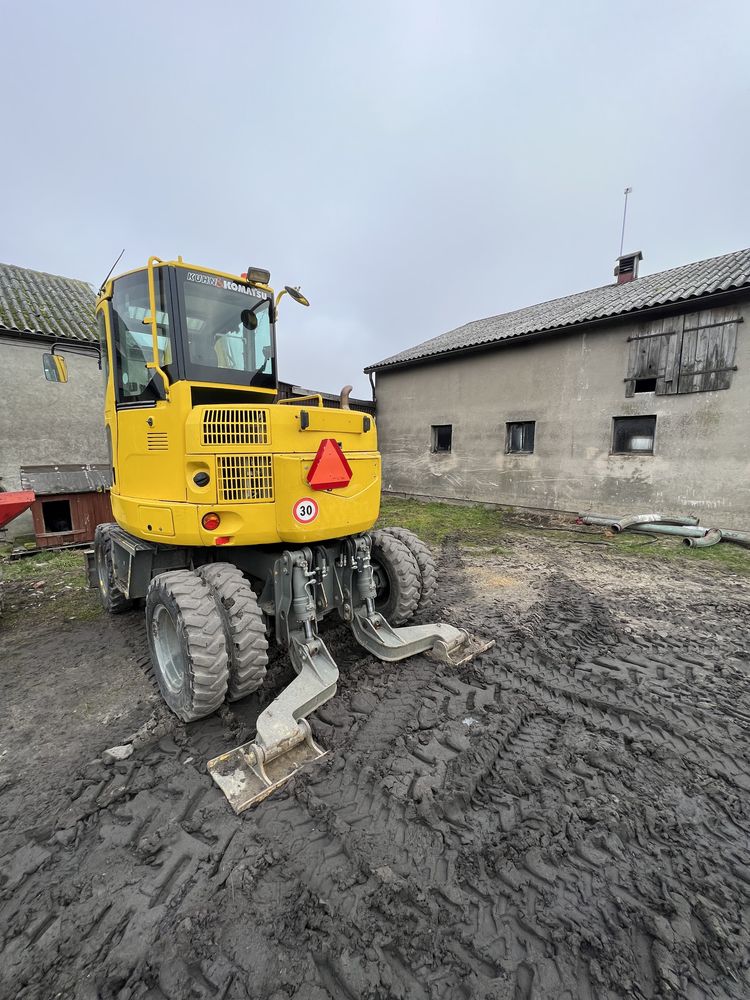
(227, 284)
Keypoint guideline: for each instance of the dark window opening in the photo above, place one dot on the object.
(645, 385)
(519, 437)
(633, 435)
(442, 437)
(56, 516)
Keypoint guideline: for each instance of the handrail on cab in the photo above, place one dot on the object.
(154, 325)
(302, 399)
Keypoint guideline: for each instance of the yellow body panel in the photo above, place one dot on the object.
(257, 456)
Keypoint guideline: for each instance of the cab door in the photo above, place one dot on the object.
(104, 330)
(150, 436)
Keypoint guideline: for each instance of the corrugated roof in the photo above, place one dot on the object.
(705, 277)
(45, 480)
(46, 304)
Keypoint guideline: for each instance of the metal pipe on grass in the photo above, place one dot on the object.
(712, 537)
(680, 530)
(628, 522)
(738, 537)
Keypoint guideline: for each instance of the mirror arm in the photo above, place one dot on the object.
(278, 297)
(63, 346)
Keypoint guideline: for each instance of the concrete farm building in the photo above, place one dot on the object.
(630, 397)
(51, 436)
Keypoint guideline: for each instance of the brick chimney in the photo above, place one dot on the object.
(626, 268)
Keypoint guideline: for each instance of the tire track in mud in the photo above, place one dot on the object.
(563, 818)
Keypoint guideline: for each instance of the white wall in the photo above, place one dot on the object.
(42, 423)
(572, 385)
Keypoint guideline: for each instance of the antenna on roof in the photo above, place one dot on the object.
(101, 287)
(628, 190)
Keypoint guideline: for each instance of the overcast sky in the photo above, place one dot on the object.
(412, 165)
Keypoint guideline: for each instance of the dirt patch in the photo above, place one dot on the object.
(568, 817)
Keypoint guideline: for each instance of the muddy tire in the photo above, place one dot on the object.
(425, 561)
(112, 598)
(397, 578)
(187, 644)
(244, 628)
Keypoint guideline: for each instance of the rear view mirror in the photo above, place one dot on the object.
(55, 368)
(296, 295)
(249, 319)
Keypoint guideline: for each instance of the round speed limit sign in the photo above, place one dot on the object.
(305, 510)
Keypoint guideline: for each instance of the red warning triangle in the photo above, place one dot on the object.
(330, 469)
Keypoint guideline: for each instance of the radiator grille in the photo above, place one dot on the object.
(245, 477)
(157, 441)
(235, 425)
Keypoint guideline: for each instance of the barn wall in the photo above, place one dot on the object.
(572, 385)
(42, 423)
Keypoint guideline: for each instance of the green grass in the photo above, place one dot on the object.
(479, 526)
(53, 567)
(731, 557)
(64, 593)
(434, 522)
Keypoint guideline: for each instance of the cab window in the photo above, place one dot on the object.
(101, 328)
(132, 341)
(229, 335)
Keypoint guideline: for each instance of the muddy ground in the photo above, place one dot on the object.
(569, 817)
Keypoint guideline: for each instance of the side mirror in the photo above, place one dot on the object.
(55, 368)
(249, 319)
(296, 295)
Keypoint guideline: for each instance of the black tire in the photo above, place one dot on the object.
(244, 628)
(397, 578)
(112, 598)
(187, 644)
(425, 561)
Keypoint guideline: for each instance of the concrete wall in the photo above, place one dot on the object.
(572, 385)
(42, 423)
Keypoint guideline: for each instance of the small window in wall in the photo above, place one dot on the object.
(442, 437)
(56, 515)
(633, 435)
(519, 437)
(645, 385)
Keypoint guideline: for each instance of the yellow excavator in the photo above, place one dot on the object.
(240, 516)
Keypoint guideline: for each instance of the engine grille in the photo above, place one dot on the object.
(245, 477)
(235, 425)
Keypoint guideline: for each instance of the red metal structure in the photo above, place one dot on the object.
(13, 504)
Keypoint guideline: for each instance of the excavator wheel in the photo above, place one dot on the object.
(112, 598)
(187, 643)
(244, 628)
(425, 561)
(397, 578)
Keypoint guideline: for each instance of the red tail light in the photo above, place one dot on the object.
(211, 521)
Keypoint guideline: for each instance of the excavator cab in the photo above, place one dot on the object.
(241, 517)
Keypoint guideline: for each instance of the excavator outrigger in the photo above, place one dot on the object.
(240, 515)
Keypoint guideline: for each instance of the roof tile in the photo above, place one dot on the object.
(46, 304)
(690, 281)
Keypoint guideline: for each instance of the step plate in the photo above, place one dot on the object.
(245, 782)
(462, 652)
